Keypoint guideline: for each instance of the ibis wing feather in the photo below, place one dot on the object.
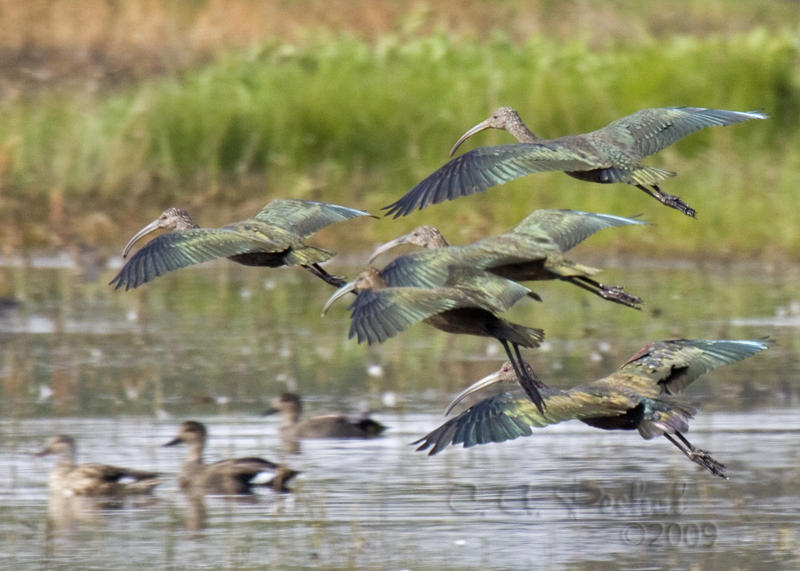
(491, 292)
(509, 415)
(675, 364)
(567, 228)
(182, 248)
(484, 167)
(307, 255)
(425, 268)
(456, 267)
(306, 216)
(380, 314)
(650, 130)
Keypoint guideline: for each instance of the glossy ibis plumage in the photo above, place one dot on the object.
(641, 395)
(467, 305)
(532, 250)
(609, 154)
(274, 237)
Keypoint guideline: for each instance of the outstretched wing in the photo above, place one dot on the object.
(675, 364)
(424, 268)
(182, 248)
(650, 130)
(488, 291)
(457, 267)
(484, 167)
(567, 228)
(512, 414)
(383, 313)
(380, 314)
(306, 216)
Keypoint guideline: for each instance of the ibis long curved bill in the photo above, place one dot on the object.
(274, 237)
(475, 387)
(152, 227)
(388, 246)
(611, 154)
(643, 394)
(482, 126)
(338, 294)
(426, 236)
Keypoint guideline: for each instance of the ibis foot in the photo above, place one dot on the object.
(611, 293)
(704, 459)
(696, 455)
(675, 202)
(668, 199)
(618, 294)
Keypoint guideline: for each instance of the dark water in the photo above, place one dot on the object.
(120, 370)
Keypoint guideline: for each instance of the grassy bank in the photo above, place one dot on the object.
(345, 120)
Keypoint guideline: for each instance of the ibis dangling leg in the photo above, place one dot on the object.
(612, 293)
(525, 375)
(668, 199)
(698, 456)
(318, 271)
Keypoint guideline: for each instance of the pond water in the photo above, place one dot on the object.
(120, 370)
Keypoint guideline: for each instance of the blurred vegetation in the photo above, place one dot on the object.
(358, 115)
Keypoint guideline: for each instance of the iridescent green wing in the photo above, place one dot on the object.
(424, 268)
(651, 130)
(565, 228)
(457, 267)
(673, 365)
(512, 414)
(305, 217)
(380, 314)
(484, 167)
(485, 290)
(182, 248)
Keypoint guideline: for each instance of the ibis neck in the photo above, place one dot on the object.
(521, 133)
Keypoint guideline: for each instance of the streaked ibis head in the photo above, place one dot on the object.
(504, 118)
(368, 279)
(427, 237)
(171, 219)
(611, 154)
(505, 374)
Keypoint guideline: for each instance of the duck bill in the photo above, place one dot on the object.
(476, 129)
(388, 246)
(475, 387)
(339, 293)
(174, 441)
(270, 412)
(152, 227)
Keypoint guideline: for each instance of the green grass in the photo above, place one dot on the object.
(345, 121)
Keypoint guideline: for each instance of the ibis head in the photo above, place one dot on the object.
(423, 236)
(169, 220)
(504, 118)
(368, 279)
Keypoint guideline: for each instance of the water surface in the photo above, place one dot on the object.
(120, 370)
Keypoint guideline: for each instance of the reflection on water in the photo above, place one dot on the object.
(120, 371)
